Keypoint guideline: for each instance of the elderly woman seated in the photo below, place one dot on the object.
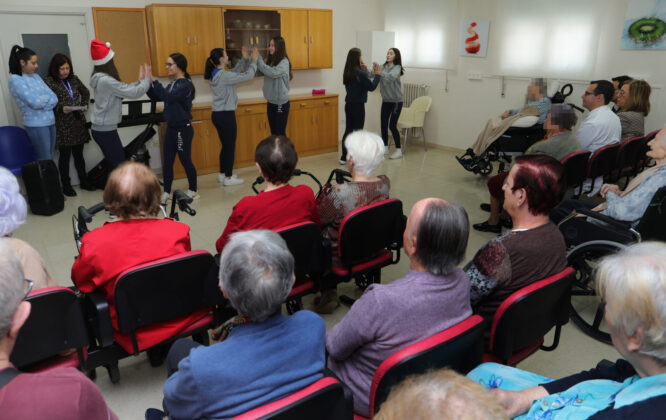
(534, 112)
(633, 98)
(628, 205)
(264, 355)
(132, 194)
(13, 211)
(558, 143)
(365, 151)
(279, 204)
(632, 283)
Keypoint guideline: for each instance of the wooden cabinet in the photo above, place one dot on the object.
(312, 126)
(192, 31)
(309, 37)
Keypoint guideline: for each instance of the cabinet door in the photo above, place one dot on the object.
(206, 33)
(301, 126)
(168, 34)
(294, 28)
(252, 129)
(320, 26)
(327, 125)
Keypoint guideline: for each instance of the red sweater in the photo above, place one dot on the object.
(271, 210)
(115, 247)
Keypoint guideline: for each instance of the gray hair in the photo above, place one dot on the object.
(256, 272)
(441, 236)
(11, 286)
(13, 208)
(633, 284)
(367, 150)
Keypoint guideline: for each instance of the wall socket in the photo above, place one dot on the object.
(474, 75)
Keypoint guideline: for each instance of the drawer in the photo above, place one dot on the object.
(324, 102)
(251, 109)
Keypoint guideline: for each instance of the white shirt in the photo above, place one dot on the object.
(600, 128)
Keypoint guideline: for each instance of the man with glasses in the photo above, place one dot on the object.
(63, 393)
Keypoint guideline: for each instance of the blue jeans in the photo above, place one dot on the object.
(43, 141)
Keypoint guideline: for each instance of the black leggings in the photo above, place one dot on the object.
(277, 118)
(389, 120)
(178, 140)
(225, 123)
(112, 147)
(354, 120)
(79, 163)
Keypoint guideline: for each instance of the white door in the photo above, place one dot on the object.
(14, 25)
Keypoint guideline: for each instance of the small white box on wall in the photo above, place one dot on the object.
(374, 45)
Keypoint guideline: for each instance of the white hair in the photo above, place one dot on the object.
(633, 284)
(13, 208)
(11, 286)
(256, 272)
(367, 150)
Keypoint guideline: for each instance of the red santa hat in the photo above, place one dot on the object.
(100, 52)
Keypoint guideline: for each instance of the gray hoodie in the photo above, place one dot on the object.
(223, 84)
(390, 87)
(109, 94)
(276, 81)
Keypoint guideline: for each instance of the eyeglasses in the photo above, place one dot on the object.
(588, 93)
(30, 285)
(621, 92)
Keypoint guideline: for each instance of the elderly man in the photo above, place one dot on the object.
(433, 296)
(63, 393)
(264, 355)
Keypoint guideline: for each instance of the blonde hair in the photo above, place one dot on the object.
(639, 97)
(440, 395)
(632, 282)
(132, 191)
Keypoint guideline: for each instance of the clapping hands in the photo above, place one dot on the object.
(376, 68)
(146, 71)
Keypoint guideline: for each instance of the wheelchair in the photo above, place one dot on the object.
(586, 311)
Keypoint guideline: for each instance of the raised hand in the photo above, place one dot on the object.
(363, 66)
(142, 72)
(376, 68)
(255, 53)
(149, 72)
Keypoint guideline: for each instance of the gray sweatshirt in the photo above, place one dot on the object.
(276, 81)
(109, 94)
(223, 84)
(390, 87)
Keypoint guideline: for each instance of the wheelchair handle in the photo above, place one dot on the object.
(297, 172)
(183, 200)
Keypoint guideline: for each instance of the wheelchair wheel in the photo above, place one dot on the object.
(484, 168)
(586, 311)
(363, 281)
(294, 305)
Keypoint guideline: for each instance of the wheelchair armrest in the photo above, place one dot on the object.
(99, 317)
(606, 219)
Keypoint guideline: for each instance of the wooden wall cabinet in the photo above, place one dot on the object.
(308, 34)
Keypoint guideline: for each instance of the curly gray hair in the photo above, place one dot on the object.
(13, 208)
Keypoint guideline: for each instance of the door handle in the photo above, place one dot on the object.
(196, 122)
(187, 40)
(305, 39)
(310, 39)
(196, 41)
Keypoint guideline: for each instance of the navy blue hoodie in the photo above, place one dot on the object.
(177, 97)
(357, 91)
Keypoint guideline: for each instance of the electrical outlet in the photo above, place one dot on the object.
(474, 75)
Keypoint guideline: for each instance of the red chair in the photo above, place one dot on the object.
(370, 238)
(151, 293)
(310, 260)
(459, 347)
(628, 157)
(326, 399)
(575, 167)
(527, 315)
(602, 162)
(55, 325)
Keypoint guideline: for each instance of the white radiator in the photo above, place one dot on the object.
(411, 91)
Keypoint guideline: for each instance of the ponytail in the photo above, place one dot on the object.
(181, 62)
(194, 91)
(17, 54)
(212, 62)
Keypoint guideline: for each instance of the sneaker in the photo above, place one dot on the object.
(342, 162)
(164, 198)
(220, 178)
(109, 215)
(396, 155)
(193, 194)
(232, 180)
(485, 207)
(386, 150)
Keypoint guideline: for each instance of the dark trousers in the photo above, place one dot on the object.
(225, 123)
(112, 147)
(277, 118)
(579, 230)
(79, 163)
(389, 120)
(354, 120)
(178, 140)
(179, 350)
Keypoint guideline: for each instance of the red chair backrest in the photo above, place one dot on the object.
(324, 399)
(165, 289)
(652, 134)
(529, 313)
(304, 243)
(369, 229)
(56, 323)
(459, 347)
(575, 166)
(603, 160)
(629, 152)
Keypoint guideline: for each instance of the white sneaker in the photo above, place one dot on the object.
(342, 162)
(164, 198)
(232, 180)
(397, 154)
(386, 150)
(220, 177)
(193, 194)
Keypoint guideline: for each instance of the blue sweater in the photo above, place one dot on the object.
(34, 98)
(357, 91)
(177, 97)
(258, 363)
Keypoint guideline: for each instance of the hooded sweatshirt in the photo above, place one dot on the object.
(223, 83)
(109, 94)
(390, 87)
(34, 98)
(177, 97)
(276, 81)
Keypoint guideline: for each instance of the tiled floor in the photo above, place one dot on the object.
(419, 174)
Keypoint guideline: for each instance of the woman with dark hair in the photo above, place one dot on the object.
(35, 99)
(559, 142)
(391, 91)
(223, 84)
(71, 130)
(177, 98)
(277, 74)
(633, 98)
(109, 95)
(356, 79)
(279, 204)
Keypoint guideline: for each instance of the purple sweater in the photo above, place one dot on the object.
(389, 317)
